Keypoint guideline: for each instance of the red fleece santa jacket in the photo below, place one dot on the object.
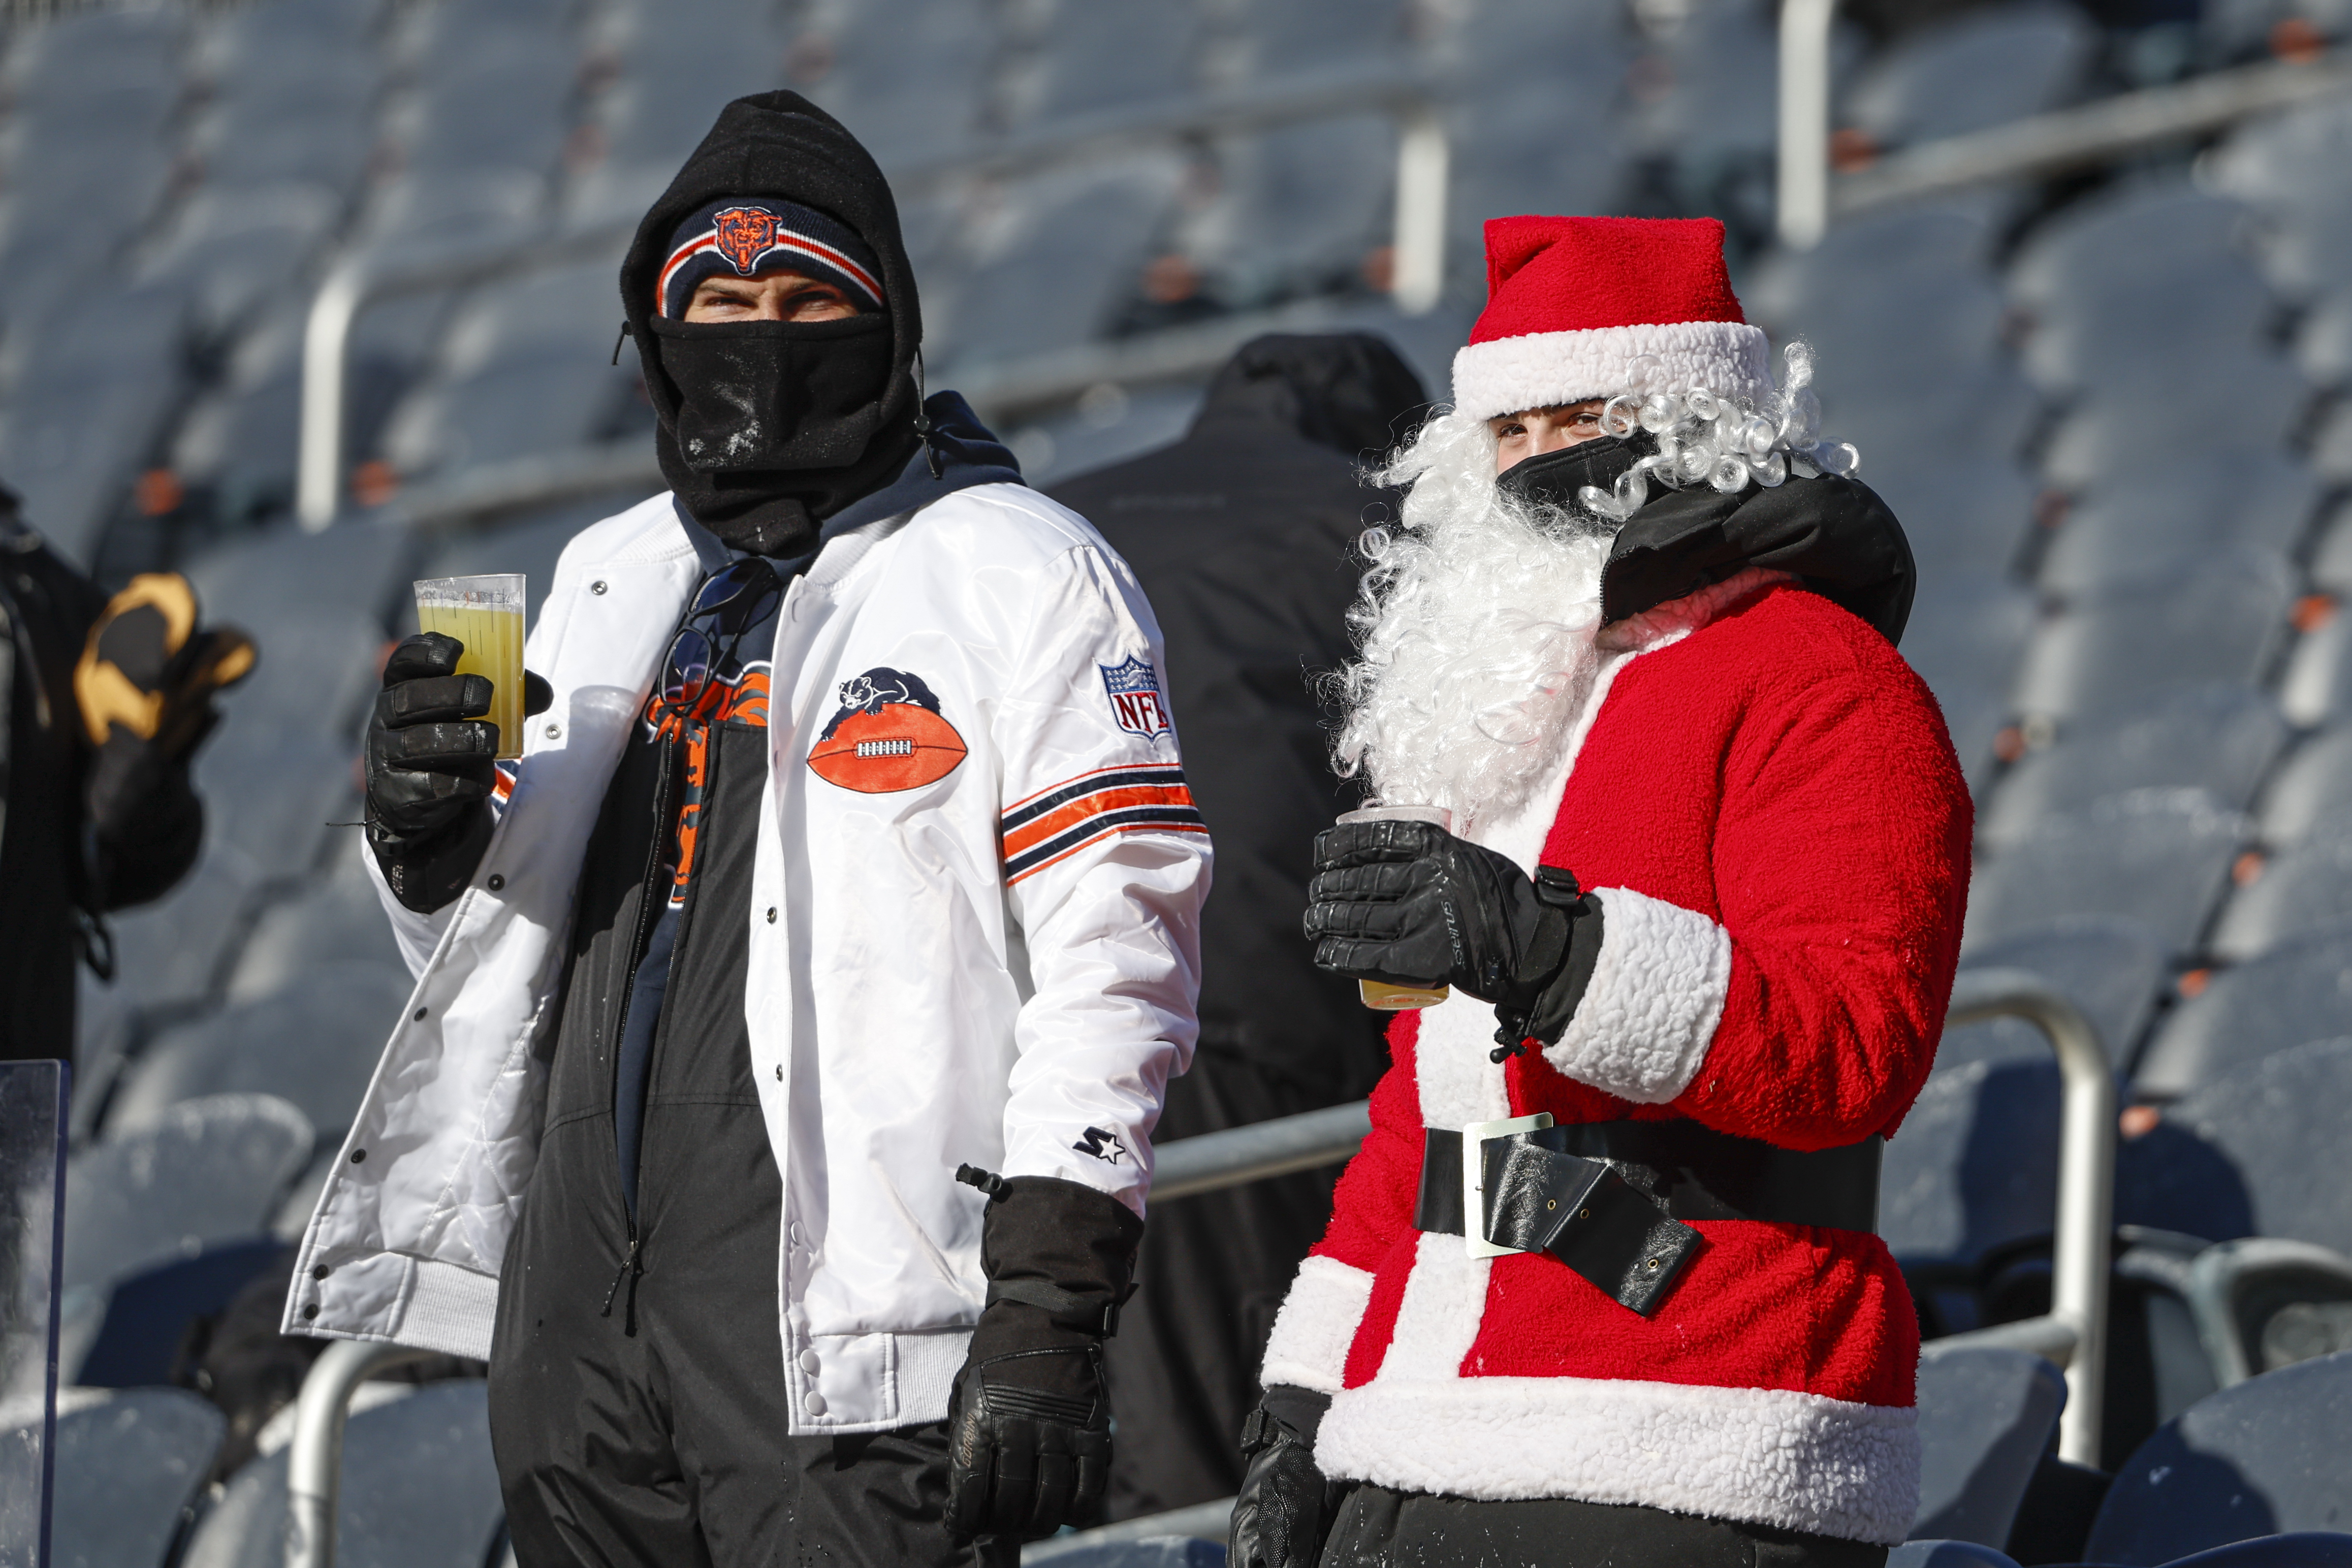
(1767, 804)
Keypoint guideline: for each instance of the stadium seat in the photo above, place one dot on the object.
(2110, 966)
(206, 1171)
(419, 1490)
(232, 251)
(2289, 166)
(1512, 66)
(2317, 685)
(1963, 515)
(2237, 1156)
(2292, 995)
(1986, 1416)
(1097, 58)
(1972, 70)
(2137, 432)
(2093, 278)
(1948, 1554)
(1149, 1552)
(1969, 630)
(2323, 343)
(525, 371)
(2291, 893)
(175, 953)
(2128, 639)
(2311, 792)
(2218, 739)
(127, 1462)
(1051, 267)
(905, 75)
(1974, 1165)
(337, 917)
(2162, 856)
(2263, 1303)
(141, 1335)
(2260, 1459)
(1299, 209)
(315, 1043)
(2176, 510)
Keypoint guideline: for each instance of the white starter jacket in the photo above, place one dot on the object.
(997, 965)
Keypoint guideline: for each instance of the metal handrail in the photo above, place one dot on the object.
(2073, 1334)
(1416, 282)
(1808, 196)
(314, 1459)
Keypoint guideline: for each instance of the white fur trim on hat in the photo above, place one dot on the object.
(1768, 1456)
(1656, 994)
(1541, 369)
(1308, 1347)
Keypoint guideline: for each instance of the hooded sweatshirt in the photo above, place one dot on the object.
(766, 429)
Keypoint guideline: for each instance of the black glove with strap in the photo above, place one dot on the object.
(1285, 1505)
(1029, 1424)
(431, 769)
(1409, 903)
(144, 684)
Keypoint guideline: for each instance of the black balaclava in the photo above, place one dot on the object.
(764, 429)
(1833, 533)
(1349, 390)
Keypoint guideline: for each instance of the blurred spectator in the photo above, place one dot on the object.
(1242, 535)
(108, 700)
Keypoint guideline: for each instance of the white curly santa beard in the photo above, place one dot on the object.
(1476, 634)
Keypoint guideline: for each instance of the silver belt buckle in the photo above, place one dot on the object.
(1474, 1178)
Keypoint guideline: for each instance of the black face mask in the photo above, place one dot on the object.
(776, 424)
(1553, 478)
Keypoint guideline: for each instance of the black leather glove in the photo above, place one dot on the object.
(1409, 903)
(1285, 1506)
(1029, 1423)
(430, 769)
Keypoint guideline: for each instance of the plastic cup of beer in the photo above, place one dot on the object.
(484, 613)
(1380, 993)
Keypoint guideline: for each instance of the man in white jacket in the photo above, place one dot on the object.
(849, 846)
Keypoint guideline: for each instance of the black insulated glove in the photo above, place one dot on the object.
(1285, 1506)
(1029, 1424)
(1411, 904)
(431, 769)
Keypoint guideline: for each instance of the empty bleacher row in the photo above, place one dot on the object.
(2111, 424)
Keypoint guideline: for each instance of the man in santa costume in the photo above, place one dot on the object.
(1602, 1286)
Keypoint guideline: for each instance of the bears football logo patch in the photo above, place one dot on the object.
(1133, 687)
(888, 736)
(744, 235)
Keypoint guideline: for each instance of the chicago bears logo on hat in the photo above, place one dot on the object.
(744, 235)
(888, 736)
(1133, 687)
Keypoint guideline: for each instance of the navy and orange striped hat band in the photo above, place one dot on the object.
(743, 236)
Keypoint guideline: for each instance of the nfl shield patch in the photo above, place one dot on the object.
(744, 235)
(1135, 704)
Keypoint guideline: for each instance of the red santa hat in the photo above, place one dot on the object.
(1585, 307)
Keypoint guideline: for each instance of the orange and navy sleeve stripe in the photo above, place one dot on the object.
(1059, 821)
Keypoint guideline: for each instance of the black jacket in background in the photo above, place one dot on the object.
(1242, 534)
(52, 866)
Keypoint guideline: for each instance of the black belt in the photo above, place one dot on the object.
(1608, 1199)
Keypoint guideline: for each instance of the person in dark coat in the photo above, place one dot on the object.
(1242, 534)
(103, 703)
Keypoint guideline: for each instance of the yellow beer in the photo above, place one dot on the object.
(1379, 994)
(484, 613)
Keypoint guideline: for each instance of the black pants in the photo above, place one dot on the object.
(1378, 1528)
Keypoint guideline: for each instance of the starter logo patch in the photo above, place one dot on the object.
(888, 736)
(1135, 703)
(1103, 1144)
(744, 235)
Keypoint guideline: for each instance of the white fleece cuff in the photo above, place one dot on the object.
(1542, 369)
(1308, 1347)
(1656, 994)
(1800, 1461)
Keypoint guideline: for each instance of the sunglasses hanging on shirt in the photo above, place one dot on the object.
(735, 599)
